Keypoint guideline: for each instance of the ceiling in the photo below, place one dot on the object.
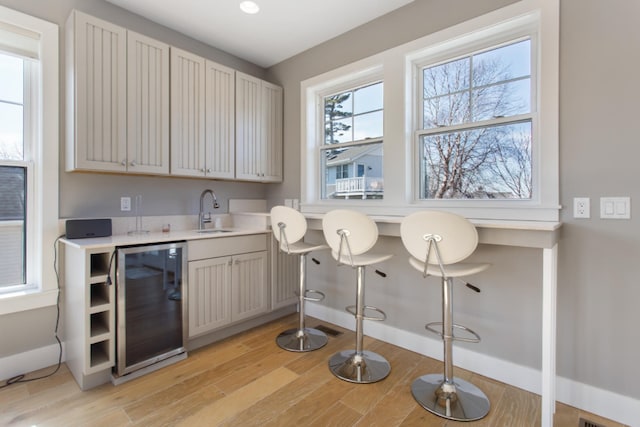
(282, 28)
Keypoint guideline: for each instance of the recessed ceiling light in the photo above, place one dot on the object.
(249, 7)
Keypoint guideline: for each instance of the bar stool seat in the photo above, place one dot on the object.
(289, 227)
(351, 235)
(438, 242)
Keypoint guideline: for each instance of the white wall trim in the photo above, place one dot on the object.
(29, 361)
(601, 402)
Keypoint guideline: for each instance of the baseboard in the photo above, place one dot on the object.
(30, 361)
(601, 402)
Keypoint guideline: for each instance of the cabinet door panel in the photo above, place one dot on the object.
(220, 121)
(98, 110)
(248, 128)
(209, 298)
(148, 105)
(187, 113)
(248, 289)
(285, 276)
(271, 142)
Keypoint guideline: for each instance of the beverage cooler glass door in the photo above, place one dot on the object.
(152, 304)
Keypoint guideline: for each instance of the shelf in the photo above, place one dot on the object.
(100, 354)
(99, 324)
(99, 294)
(99, 264)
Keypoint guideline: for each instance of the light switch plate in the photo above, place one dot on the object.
(615, 207)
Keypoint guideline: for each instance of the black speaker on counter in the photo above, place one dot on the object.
(85, 228)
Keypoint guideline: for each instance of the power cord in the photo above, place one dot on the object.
(21, 377)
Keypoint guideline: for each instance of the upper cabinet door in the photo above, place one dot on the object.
(258, 130)
(187, 114)
(148, 105)
(248, 127)
(272, 132)
(220, 123)
(96, 84)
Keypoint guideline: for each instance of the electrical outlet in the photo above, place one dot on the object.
(125, 204)
(581, 207)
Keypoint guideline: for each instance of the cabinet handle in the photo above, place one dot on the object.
(202, 170)
(209, 170)
(124, 162)
(133, 163)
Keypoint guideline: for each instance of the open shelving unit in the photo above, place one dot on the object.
(91, 327)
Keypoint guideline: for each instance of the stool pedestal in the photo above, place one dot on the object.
(302, 339)
(359, 366)
(445, 395)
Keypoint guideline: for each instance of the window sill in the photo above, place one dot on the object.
(27, 300)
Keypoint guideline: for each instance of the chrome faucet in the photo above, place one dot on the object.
(202, 218)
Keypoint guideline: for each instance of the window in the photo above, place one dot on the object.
(13, 169)
(470, 122)
(28, 183)
(476, 133)
(353, 139)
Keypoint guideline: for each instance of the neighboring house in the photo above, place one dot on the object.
(355, 172)
(11, 224)
(11, 194)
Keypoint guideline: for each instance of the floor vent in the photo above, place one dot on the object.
(329, 331)
(587, 423)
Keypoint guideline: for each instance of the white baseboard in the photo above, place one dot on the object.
(622, 409)
(30, 361)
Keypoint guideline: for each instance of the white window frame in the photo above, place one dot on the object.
(42, 198)
(364, 75)
(539, 18)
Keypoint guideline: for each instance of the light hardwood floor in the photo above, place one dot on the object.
(247, 380)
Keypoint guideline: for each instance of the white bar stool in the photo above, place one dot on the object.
(289, 227)
(437, 242)
(350, 235)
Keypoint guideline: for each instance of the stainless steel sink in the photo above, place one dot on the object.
(213, 231)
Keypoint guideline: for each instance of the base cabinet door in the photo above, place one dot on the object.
(225, 290)
(285, 277)
(209, 294)
(249, 285)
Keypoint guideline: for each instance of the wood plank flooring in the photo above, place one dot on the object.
(246, 380)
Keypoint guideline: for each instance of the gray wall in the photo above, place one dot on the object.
(598, 293)
(86, 195)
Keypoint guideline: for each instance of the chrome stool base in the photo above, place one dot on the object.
(300, 340)
(467, 403)
(368, 367)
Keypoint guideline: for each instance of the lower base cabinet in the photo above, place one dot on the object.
(227, 281)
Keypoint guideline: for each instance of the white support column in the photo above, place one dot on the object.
(549, 296)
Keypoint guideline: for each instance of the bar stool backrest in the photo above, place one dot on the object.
(288, 225)
(455, 236)
(360, 231)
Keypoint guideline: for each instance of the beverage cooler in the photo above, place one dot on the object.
(151, 306)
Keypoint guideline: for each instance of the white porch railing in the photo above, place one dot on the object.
(363, 186)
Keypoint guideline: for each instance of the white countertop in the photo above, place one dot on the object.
(159, 237)
(532, 234)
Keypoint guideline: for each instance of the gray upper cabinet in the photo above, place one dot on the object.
(118, 99)
(148, 105)
(135, 105)
(202, 117)
(97, 88)
(258, 130)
